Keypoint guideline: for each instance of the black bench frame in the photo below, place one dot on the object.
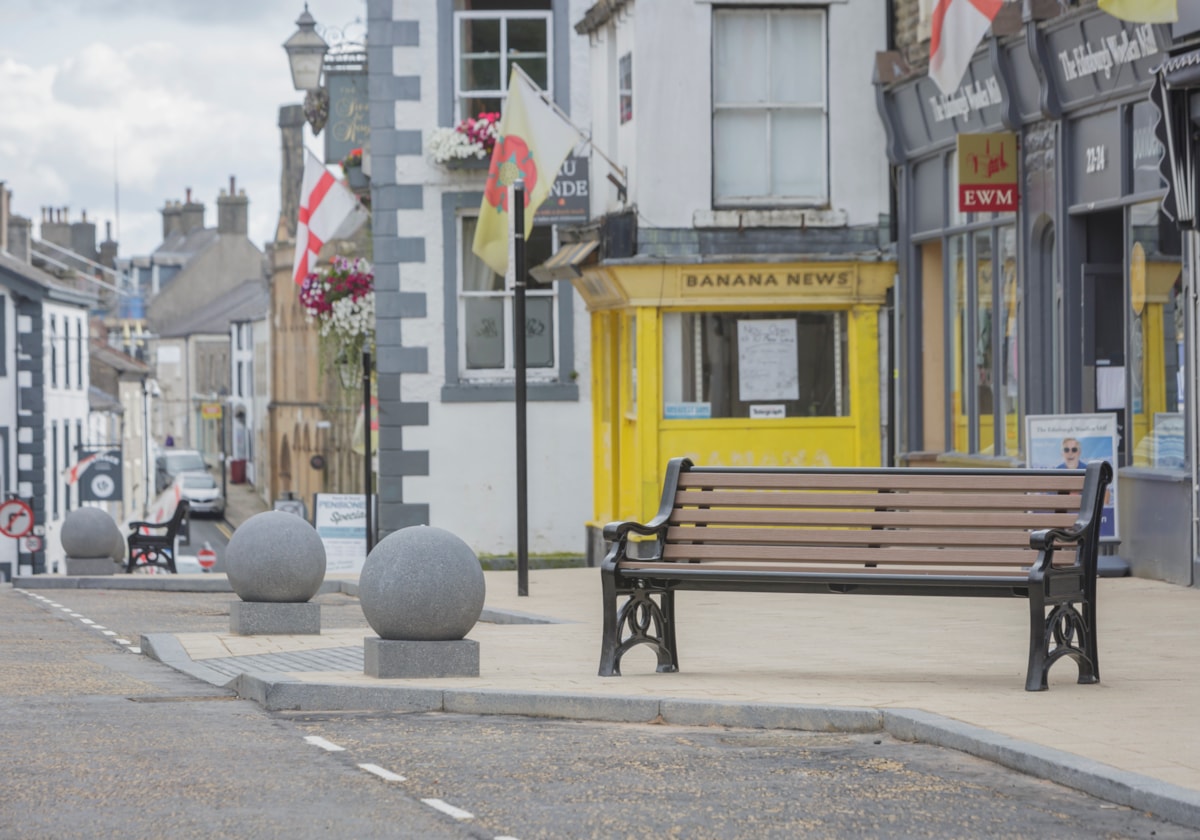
(156, 548)
(1062, 595)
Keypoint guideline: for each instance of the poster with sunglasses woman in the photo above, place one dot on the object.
(1069, 442)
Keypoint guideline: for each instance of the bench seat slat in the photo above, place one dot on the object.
(846, 536)
(881, 480)
(859, 556)
(877, 501)
(1011, 574)
(890, 519)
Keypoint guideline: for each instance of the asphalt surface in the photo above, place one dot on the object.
(103, 742)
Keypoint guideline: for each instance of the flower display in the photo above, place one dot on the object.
(474, 137)
(354, 158)
(341, 299)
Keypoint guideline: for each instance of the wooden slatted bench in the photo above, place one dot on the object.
(898, 531)
(152, 544)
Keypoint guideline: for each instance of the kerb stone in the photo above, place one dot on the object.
(274, 618)
(405, 659)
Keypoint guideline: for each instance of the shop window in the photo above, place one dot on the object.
(486, 314)
(1155, 371)
(983, 373)
(770, 135)
(486, 45)
(755, 364)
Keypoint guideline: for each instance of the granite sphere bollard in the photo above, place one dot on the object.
(91, 540)
(422, 590)
(275, 562)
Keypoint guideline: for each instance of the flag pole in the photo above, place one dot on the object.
(518, 269)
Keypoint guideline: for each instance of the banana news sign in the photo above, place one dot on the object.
(987, 173)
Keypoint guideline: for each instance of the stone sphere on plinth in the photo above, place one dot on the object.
(421, 584)
(275, 557)
(91, 532)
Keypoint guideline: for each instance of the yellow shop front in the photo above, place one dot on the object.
(732, 364)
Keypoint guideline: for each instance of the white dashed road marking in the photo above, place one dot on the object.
(318, 741)
(387, 775)
(448, 809)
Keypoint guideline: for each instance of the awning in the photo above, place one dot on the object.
(564, 265)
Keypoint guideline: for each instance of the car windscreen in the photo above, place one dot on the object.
(183, 462)
(199, 480)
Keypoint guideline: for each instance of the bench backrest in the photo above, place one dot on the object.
(887, 518)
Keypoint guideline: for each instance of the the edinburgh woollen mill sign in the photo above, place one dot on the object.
(987, 173)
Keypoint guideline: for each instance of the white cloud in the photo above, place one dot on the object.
(152, 95)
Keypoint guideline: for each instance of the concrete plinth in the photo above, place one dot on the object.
(271, 618)
(404, 659)
(91, 566)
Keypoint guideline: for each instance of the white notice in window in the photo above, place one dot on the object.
(768, 367)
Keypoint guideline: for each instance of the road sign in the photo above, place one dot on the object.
(206, 557)
(16, 518)
(31, 545)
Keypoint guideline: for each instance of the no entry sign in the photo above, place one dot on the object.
(206, 557)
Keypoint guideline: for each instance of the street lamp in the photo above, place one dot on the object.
(306, 53)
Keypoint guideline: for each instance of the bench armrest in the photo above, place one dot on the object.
(620, 530)
(1087, 525)
(137, 526)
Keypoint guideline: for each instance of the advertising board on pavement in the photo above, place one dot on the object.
(341, 522)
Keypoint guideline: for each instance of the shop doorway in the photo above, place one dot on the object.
(1101, 334)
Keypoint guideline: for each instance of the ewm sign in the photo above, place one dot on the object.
(987, 173)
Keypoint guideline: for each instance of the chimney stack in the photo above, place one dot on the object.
(192, 218)
(171, 219)
(233, 211)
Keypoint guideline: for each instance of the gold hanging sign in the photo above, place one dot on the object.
(987, 173)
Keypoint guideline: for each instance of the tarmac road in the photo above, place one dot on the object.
(101, 742)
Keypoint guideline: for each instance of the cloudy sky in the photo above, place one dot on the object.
(121, 105)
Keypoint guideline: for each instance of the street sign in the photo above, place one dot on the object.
(206, 557)
(16, 518)
(210, 411)
(31, 545)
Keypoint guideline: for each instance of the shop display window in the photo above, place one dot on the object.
(755, 364)
(1156, 340)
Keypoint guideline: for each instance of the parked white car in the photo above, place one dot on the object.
(202, 492)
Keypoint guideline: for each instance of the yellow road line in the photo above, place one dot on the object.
(224, 529)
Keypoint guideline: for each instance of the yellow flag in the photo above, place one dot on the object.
(533, 143)
(1143, 11)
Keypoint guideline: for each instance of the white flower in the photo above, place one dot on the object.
(447, 144)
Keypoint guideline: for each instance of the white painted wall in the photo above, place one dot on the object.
(471, 489)
(667, 145)
(67, 406)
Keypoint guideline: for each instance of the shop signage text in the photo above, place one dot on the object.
(987, 173)
(834, 278)
(1113, 50)
(971, 97)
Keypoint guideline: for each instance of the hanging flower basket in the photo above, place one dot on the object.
(341, 299)
(470, 141)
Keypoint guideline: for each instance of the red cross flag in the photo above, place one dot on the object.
(72, 473)
(958, 27)
(328, 210)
